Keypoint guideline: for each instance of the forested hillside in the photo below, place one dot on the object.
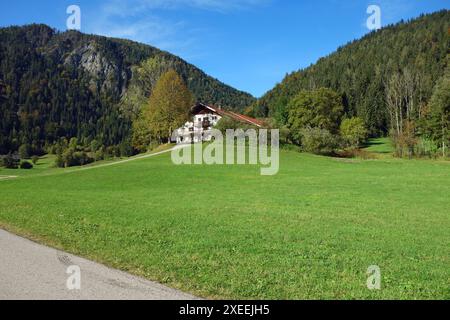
(360, 70)
(68, 84)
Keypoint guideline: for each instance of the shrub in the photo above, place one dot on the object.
(25, 151)
(125, 149)
(67, 158)
(427, 147)
(141, 136)
(26, 165)
(73, 143)
(109, 152)
(99, 154)
(153, 145)
(81, 158)
(59, 162)
(71, 158)
(10, 161)
(285, 135)
(353, 131)
(357, 153)
(319, 141)
(406, 141)
(116, 151)
(228, 123)
(34, 159)
(52, 149)
(95, 145)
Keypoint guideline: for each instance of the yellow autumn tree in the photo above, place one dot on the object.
(167, 109)
(168, 106)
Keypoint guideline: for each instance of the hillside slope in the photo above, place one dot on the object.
(360, 69)
(68, 84)
(309, 232)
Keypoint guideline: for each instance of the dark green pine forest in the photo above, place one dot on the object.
(360, 71)
(57, 85)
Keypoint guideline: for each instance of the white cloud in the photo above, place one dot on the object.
(215, 5)
(142, 21)
(135, 7)
(150, 29)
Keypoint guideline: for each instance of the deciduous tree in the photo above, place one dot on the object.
(321, 108)
(439, 122)
(353, 131)
(167, 109)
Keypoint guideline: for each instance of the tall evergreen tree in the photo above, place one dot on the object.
(439, 122)
(360, 70)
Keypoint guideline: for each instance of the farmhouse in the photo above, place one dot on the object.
(204, 118)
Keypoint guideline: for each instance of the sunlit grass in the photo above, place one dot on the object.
(227, 232)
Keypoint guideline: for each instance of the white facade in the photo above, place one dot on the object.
(199, 129)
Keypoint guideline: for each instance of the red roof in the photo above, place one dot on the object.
(231, 114)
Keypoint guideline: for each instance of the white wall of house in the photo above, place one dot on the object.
(212, 118)
(195, 128)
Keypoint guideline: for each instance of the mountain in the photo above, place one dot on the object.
(68, 84)
(359, 70)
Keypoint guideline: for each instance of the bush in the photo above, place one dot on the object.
(26, 165)
(95, 145)
(99, 154)
(319, 141)
(73, 143)
(141, 136)
(126, 149)
(52, 149)
(25, 151)
(10, 161)
(357, 153)
(81, 158)
(153, 145)
(405, 143)
(109, 152)
(285, 135)
(427, 147)
(227, 123)
(59, 162)
(71, 158)
(34, 159)
(116, 152)
(353, 131)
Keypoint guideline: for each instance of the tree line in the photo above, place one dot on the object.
(63, 85)
(360, 71)
(391, 82)
(55, 97)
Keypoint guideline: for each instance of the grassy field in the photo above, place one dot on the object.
(227, 232)
(380, 146)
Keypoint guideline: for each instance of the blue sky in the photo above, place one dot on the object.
(249, 44)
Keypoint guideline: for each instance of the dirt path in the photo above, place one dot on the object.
(7, 177)
(88, 167)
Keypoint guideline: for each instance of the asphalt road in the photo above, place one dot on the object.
(30, 271)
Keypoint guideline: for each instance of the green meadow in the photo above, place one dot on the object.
(310, 232)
